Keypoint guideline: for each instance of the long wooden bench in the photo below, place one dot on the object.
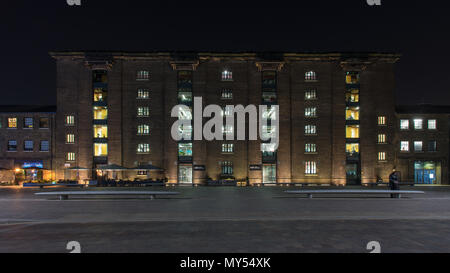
(310, 193)
(64, 195)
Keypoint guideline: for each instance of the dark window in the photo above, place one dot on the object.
(44, 123)
(12, 145)
(432, 146)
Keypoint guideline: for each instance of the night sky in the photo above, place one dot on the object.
(417, 29)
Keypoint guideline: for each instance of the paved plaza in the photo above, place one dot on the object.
(225, 219)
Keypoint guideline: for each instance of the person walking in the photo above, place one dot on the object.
(393, 183)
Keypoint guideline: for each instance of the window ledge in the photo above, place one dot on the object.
(311, 80)
(311, 175)
(311, 153)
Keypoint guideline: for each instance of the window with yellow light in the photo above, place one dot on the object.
(352, 113)
(100, 131)
(352, 131)
(100, 149)
(100, 112)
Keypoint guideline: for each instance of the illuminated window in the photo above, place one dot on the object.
(100, 131)
(310, 130)
(381, 138)
(269, 97)
(268, 131)
(418, 124)
(268, 149)
(99, 95)
(44, 123)
(143, 75)
(382, 156)
(143, 94)
(70, 138)
(143, 111)
(44, 146)
(227, 94)
(418, 146)
(404, 146)
(352, 131)
(143, 148)
(227, 111)
(184, 113)
(100, 113)
(70, 120)
(227, 167)
(352, 95)
(432, 124)
(310, 167)
(310, 112)
(352, 113)
(352, 149)
(352, 78)
(184, 149)
(227, 129)
(28, 145)
(100, 149)
(310, 94)
(70, 157)
(404, 124)
(143, 129)
(12, 145)
(227, 75)
(12, 122)
(381, 120)
(28, 123)
(185, 97)
(185, 131)
(270, 113)
(227, 148)
(310, 148)
(310, 76)
(432, 146)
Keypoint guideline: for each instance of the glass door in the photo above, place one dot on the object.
(270, 173)
(185, 174)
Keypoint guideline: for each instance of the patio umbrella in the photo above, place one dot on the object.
(78, 169)
(113, 168)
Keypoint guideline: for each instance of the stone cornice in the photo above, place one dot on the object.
(184, 65)
(269, 66)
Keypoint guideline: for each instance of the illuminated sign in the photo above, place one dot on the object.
(32, 164)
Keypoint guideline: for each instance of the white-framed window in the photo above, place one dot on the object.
(44, 146)
(404, 146)
(227, 167)
(310, 130)
(143, 111)
(418, 146)
(310, 167)
(143, 129)
(70, 156)
(432, 124)
(404, 124)
(143, 148)
(311, 76)
(418, 124)
(143, 94)
(28, 145)
(382, 156)
(70, 120)
(227, 148)
(381, 120)
(227, 75)
(311, 112)
(310, 148)
(311, 94)
(381, 138)
(227, 94)
(70, 138)
(143, 75)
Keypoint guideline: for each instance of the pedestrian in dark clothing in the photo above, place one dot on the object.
(393, 183)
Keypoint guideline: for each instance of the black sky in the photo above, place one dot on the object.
(417, 29)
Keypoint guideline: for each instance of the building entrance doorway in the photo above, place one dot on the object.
(185, 174)
(352, 171)
(269, 173)
(427, 172)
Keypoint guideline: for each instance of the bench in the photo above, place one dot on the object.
(42, 185)
(64, 195)
(310, 193)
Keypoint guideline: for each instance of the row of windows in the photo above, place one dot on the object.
(28, 146)
(418, 146)
(418, 124)
(226, 75)
(28, 123)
